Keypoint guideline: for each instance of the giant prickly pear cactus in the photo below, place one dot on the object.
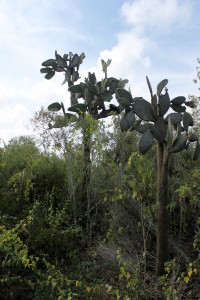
(94, 95)
(166, 123)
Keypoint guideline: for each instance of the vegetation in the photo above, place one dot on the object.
(79, 218)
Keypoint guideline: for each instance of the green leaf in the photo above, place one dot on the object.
(104, 65)
(196, 151)
(60, 60)
(45, 70)
(135, 125)
(63, 107)
(75, 61)
(124, 125)
(124, 94)
(48, 62)
(50, 74)
(149, 85)
(124, 102)
(143, 109)
(146, 142)
(86, 95)
(156, 134)
(80, 107)
(169, 136)
(187, 121)
(159, 130)
(175, 118)
(76, 88)
(75, 76)
(161, 86)
(92, 78)
(64, 81)
(178, 108)
(164, 104)
(108, 62)
(81, 57)
(106, 97)
(179, 143)
(97, 103)
(121, 83)
(59, 69)
(111, 84)
(162, 128)
(54, 106)
(142, 128)
(127, 110)
(178, 100)
(67, 77)
(92, 88)
(65, 57)
(130, 117)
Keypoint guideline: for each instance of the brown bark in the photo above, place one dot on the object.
(162, 199)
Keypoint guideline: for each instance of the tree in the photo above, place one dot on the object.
(195, 100)
(16, 160)
(94, 94)
(171, 134)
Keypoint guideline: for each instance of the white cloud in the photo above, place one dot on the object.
(29, 29)
(19, 100)
(129, 52)
(45, 92)
(156, 15)
(7, 92)
(14, 118)
(130, 56)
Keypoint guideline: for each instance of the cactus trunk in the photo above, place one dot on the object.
(162, 199)
(86, 193)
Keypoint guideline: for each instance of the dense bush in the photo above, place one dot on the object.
(43, 245)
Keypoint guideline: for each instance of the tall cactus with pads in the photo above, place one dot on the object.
(166, 124)
(94, 95)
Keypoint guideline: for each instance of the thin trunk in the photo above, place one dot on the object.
(86, 197)
(162, 199)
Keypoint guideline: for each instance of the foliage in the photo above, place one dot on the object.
(53, 245)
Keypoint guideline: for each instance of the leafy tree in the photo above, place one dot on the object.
(16, 158)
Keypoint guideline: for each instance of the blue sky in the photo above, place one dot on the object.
(158, 38)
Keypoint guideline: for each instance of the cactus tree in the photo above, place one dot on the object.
(166, 123)
(94, 95)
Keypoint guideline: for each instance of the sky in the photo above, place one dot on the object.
(157, 38)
